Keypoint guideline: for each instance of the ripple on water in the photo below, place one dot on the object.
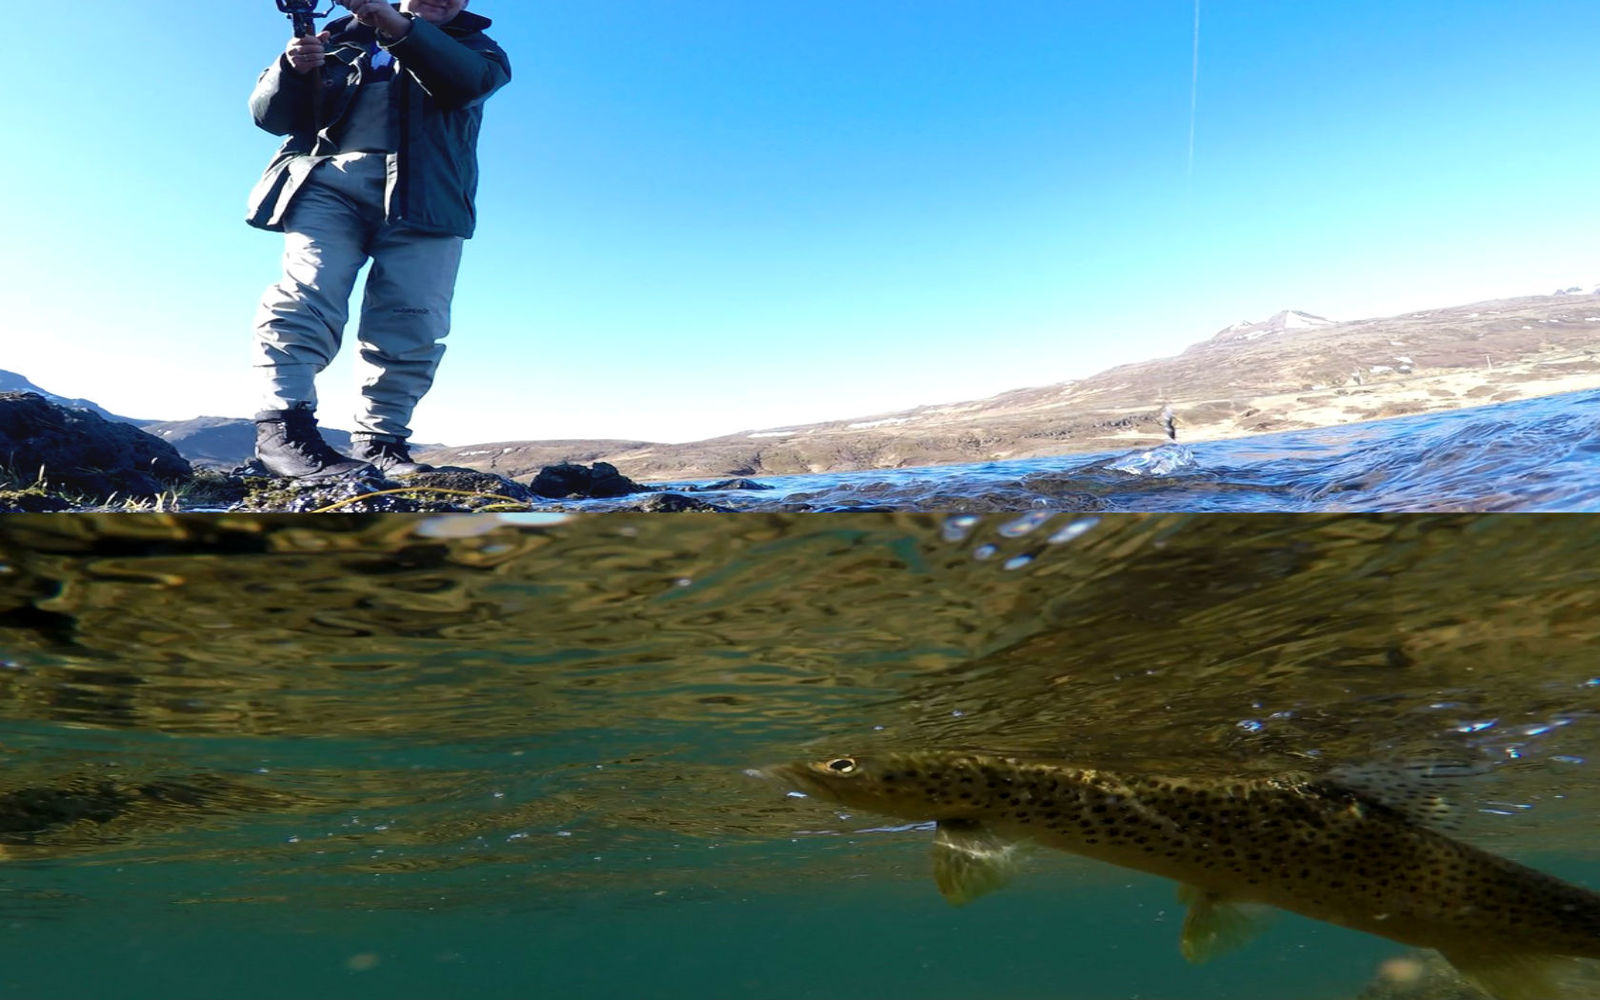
(1534, 454)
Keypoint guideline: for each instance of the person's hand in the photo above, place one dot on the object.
(307, 52)
(378, 14)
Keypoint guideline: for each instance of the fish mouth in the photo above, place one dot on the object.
(788, 777)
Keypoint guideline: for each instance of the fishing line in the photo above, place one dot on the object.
(1194, 86)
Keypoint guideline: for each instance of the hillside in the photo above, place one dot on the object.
(1292, 371)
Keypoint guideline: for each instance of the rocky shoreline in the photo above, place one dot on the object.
(83, 462)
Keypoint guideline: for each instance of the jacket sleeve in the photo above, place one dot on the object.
(454, 73)
(281, 102)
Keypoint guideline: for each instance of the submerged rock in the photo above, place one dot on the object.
(78, 451)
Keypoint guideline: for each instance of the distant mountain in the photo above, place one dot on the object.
(1291, 371)
(1282, 322)
(13, 382)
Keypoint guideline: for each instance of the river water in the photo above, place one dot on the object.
(406, 756)
(1540, 454)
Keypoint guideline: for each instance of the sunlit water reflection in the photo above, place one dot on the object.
(1532, 455)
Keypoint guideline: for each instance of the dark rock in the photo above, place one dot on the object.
(442, 490)
(82, 452)
(29, 811)
(31, 502)
(728, 484)
(210, 489)
(355, 495)
(487, 487)
(677, 503)
(572, 480)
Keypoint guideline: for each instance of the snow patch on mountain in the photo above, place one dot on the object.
(1281, 322)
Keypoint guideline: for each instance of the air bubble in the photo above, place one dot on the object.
(984, 552)
(1017, 562)
(455, 526)
(959, 526)
(1076, 529)
(1026, 524)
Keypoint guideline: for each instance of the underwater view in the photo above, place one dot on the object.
(695, 756)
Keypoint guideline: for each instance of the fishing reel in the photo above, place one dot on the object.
(304, 14)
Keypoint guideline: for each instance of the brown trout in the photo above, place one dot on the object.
(1355, 854)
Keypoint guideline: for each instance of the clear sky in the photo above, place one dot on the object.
(709, 216)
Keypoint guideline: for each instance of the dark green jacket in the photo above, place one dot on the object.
(443, 74)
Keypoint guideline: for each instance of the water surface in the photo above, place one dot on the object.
(1538, 454)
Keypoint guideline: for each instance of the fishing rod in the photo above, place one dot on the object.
(304, 14)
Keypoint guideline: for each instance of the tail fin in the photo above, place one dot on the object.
(1524, 976)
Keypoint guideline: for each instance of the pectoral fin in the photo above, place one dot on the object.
(970, 861)
(1530, 977)
(1215, 925)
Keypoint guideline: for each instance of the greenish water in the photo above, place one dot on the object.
(407, 756)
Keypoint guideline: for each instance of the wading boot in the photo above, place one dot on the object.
(288, 445)
(388, 453)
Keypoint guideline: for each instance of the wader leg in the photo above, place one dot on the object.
(301, 318)
(405, 313)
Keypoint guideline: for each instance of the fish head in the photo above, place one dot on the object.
(906, 785)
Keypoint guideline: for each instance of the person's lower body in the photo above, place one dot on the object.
(405, 315)
(335, 225)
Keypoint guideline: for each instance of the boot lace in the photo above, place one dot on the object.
(301, 436)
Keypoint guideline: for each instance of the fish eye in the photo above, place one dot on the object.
(841, 765)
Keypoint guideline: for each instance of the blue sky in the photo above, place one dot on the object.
(699, 218)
